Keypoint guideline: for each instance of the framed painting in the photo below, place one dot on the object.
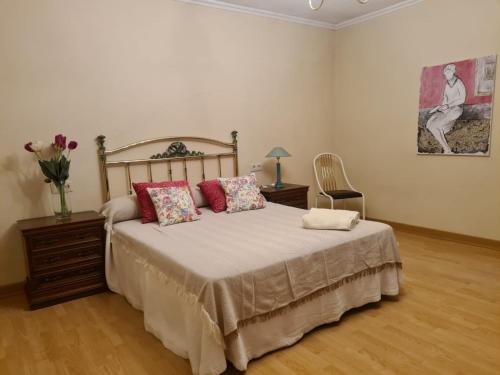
(456, 106)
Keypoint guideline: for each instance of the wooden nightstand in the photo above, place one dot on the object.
(289, 195)
(64, 259)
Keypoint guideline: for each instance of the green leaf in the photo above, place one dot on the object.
(57, 170)
(64, 168)
(47, 170)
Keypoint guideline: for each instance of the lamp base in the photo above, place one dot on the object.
(278, 184)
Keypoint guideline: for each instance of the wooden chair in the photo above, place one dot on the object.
(328, 168)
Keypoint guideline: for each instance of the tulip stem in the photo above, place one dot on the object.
(62, 199)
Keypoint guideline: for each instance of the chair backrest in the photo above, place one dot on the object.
(328, 169)
(325, 172)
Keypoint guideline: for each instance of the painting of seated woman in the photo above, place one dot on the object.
(456, 106)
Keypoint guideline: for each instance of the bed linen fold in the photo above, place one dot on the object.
(249, 266)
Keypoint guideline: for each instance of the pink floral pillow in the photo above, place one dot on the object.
(242, 193)
(147, 208)
(214, 194)
(173, 204)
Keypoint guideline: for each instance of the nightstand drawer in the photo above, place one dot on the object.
(43, 261)
(301, 203)
(41, 242)
(288, 195)
(67, 277)
(293, 196)
(58, 293)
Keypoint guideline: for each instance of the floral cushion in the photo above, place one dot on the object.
(173, 204)
(242, 193)
(148, 211)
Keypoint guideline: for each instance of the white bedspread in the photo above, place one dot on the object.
(238, 267)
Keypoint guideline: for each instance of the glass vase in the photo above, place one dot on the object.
(61, 200)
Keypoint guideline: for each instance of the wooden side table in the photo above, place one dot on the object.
(64, 259)
(289, 195)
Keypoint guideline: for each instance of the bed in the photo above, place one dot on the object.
(236, 286)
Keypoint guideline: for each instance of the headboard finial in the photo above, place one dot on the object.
(234, 134)
(100, 142)
(101, 151)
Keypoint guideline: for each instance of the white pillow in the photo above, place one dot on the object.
(199, 198)
(121, 209)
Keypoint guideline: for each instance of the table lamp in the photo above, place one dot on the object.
(278, 152)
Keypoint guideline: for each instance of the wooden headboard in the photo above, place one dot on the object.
(106, 164)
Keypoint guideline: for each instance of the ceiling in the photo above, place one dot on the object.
(334, 14)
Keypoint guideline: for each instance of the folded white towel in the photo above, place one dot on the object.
(322, 218)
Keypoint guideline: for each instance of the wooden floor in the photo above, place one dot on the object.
(447, 321)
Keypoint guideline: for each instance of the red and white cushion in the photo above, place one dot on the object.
(242, 193)
(173, 204)
(147, 208)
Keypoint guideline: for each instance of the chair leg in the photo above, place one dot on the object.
(330, 198)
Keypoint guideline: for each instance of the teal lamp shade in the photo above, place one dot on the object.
(278, 152)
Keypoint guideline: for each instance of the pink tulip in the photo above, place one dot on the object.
(27, 147)
(60, 141)
(72, 145)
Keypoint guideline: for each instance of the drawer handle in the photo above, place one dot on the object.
(83, 236)
(48, 279)
(87, 270)
(84, 253)
(53, 259)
